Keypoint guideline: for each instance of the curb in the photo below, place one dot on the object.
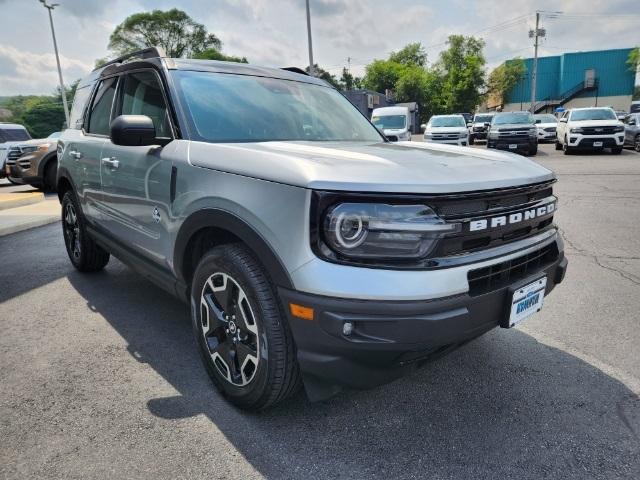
(13, 200)
(38, 222)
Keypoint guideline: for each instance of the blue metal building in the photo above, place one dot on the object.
(578, 79)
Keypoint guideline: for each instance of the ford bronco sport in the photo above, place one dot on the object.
(311, 250)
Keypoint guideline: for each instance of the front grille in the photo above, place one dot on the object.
(489, 279)
(550, 129)
(445, 136)
(479, 129)
(598, 130)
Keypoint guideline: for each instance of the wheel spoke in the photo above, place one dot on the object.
(214, 315)
(244, 316)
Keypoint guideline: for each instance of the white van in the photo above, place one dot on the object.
(394, 122)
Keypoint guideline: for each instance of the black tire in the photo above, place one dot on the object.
(471, 140)
(565, 147)
(558, 145)
(266, 338)
(85, 254)
(616, 150)
(533, 151)
(49, 177)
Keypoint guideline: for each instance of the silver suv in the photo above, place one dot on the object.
(311, 250)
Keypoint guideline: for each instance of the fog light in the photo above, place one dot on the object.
(347, 328)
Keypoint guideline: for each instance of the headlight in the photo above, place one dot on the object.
(619, 128)
(383, 231)
(576, 130)
(493, 134)
(463, 134)
(533, 131)
(43, 147)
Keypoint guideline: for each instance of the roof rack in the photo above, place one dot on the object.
(151, 52)
(295, 70)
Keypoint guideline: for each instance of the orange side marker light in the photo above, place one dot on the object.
(305, 313)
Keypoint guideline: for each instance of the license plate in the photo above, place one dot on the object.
(526, 301)
(513, 146)
(597, 144)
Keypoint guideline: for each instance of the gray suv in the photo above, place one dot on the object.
(311, 250)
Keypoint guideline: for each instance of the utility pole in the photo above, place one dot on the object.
(311, 69)
(63, 91)
(535, 34)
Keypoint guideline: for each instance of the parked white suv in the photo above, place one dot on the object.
(451, 129)
(591, 128)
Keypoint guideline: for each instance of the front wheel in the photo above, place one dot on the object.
(565, 147)
(241, 332)
(471, 140)
(85, 254)
(636, 143)
(558, 145)
(616, 150)
(533, 150)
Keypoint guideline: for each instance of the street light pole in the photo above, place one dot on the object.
(534, 70)
(55, 47)
(311, 69)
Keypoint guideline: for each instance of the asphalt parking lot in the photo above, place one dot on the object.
(100, 378)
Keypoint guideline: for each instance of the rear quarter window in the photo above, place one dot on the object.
(79, 106)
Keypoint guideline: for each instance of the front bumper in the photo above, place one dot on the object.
(546, 136)
(391, 338)
(522, 144)
(479, 135)
(586, 142)
(461, 142)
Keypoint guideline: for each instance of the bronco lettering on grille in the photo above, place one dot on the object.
(504, 220)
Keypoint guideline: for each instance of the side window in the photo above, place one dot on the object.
(79, 105)
(142, 95)
(100, 116)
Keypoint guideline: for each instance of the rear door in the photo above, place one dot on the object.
(136, 180)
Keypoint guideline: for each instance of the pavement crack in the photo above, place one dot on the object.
(619, 271)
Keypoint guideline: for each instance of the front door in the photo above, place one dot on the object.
(136, 180)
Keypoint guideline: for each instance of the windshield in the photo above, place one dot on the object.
(13, 135)
(593, 114)
(483, 118)
(457, 121)
(244, 108)
(389, 121)
(515, 117)
(545, 118)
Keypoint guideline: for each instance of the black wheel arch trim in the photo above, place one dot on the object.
(225, 220)
(42, 166)
(63, 173)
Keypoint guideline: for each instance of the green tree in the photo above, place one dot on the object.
(381, 75)
(324, 75)
(349, 82)
(43, 117)
(215, 54)
(412, 54)
(173, 30)
(634, 59)
(463, 77)
(503, 78)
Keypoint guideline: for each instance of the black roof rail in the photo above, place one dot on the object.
(151, 52)
(295, 70)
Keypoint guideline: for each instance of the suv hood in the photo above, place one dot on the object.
(446, 130)
(403, 167)
(546, 124)
(596, 123)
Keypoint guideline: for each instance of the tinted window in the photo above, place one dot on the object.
(389, 121)
(13, 135)
(79, 105)
(593, 114)
(100, 116)
(244, 108)
(515, 117)
(545, 118)
(142, 95)
(483, 118)
(457, 121)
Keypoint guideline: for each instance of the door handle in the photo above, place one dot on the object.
(113, 162)
(75, 154)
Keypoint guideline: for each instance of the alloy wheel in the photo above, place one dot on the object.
(230, 330)
(72, 230)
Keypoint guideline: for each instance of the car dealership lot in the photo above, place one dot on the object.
(100, 376)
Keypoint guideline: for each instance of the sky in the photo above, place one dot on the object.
(273, 32)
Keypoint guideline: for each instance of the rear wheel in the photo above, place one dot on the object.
(242, 335)
(636, 143)
(85, 254)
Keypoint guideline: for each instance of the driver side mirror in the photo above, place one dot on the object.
(133, 131)
(563, 120)
(487, 124)
(631, 121)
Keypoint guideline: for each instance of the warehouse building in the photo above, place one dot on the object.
(580, 79)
